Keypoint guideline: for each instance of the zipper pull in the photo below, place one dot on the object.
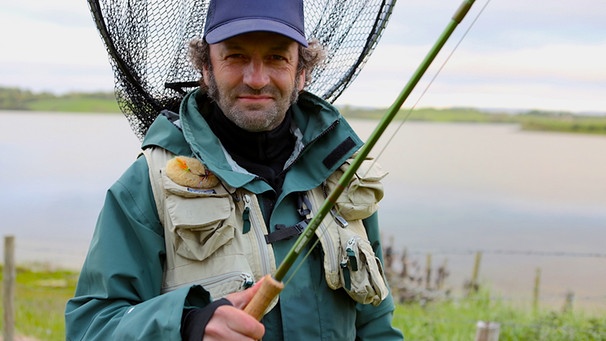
(246, 214)
(247, 280)
(351, 253)
(339, 219)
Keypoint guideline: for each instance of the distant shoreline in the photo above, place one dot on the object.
(15, 99)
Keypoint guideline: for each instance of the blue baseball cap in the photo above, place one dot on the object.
(229, 18)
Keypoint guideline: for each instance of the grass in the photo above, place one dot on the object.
(457, 320)
(572, 124)
(40, 297)
(100, 102)
(41, 294)
(18, 99)
(75, 104)
(532, 120)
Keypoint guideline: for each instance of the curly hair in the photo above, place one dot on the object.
(309, 58)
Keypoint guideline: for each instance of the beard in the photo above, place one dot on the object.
(253, 118)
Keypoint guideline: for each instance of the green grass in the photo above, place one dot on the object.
(531, 120)
(552, 121)
(572, 124)
(457, 320)
(18, 99)
(82, 105)
(41, 295)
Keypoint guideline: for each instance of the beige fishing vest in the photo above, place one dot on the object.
(215, 237)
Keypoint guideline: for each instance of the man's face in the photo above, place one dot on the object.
(254, 79)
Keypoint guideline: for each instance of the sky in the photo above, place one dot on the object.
(517, 55)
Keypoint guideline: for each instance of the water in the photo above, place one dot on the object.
(55, 169)
(528, 200)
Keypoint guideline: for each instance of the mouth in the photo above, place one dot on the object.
(255, 99)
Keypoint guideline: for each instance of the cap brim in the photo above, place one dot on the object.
(234, 28)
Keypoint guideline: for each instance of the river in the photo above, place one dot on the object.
(527, 200)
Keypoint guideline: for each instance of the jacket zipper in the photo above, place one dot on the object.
(302, 151)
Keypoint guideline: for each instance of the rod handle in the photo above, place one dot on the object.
(270, 288)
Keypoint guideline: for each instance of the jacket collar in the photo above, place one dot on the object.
(313, 119)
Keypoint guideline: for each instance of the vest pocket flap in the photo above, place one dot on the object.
(370, 171)
(199, 224)
(360, 197)
(197, 213)
(172, 187)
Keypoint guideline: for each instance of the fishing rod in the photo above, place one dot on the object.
(272, 286)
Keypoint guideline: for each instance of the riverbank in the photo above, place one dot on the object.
(41, 295)
(532, 120)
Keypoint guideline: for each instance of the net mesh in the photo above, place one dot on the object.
(147, 43)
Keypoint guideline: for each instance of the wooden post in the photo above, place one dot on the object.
(442, 274)
(569, 302)
(535, 296)
(404, 261)
(428, 272)
(388, 256)
(9, 288)
(487, 331)
(473, 283)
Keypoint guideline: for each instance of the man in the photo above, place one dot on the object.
(174, 259)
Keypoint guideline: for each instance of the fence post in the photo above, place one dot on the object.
(9, 288)
(569, 302)
(487, 331)
(535, 293)
(404, 261)
(428, 272)
(473, 285)
(442, 274)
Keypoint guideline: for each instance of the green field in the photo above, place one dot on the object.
(17, 99)
(40, 298)
(530, 120)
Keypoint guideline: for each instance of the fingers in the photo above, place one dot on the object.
(240, 299)
(230, 323)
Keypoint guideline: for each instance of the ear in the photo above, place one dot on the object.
(205, 75)
(301, 84)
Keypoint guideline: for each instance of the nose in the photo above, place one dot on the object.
(255, 74)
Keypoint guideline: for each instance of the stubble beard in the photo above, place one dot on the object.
(254, 118)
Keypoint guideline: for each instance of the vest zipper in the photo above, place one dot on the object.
(329, 245)
(247, 279)
(256, 225)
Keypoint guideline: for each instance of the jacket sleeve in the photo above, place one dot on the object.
(118, 296)
(375, 323)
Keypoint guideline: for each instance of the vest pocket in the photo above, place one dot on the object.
(361, 273)
(219, 276)
(199, 219)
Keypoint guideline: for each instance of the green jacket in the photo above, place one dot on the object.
(118, 296)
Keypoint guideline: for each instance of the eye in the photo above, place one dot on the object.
(277, 57)
(235, 56)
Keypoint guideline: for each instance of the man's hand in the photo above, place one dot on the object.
(232, 323)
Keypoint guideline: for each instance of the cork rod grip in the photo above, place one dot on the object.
(270, 288)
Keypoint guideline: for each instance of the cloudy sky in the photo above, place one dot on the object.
(519, 54)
